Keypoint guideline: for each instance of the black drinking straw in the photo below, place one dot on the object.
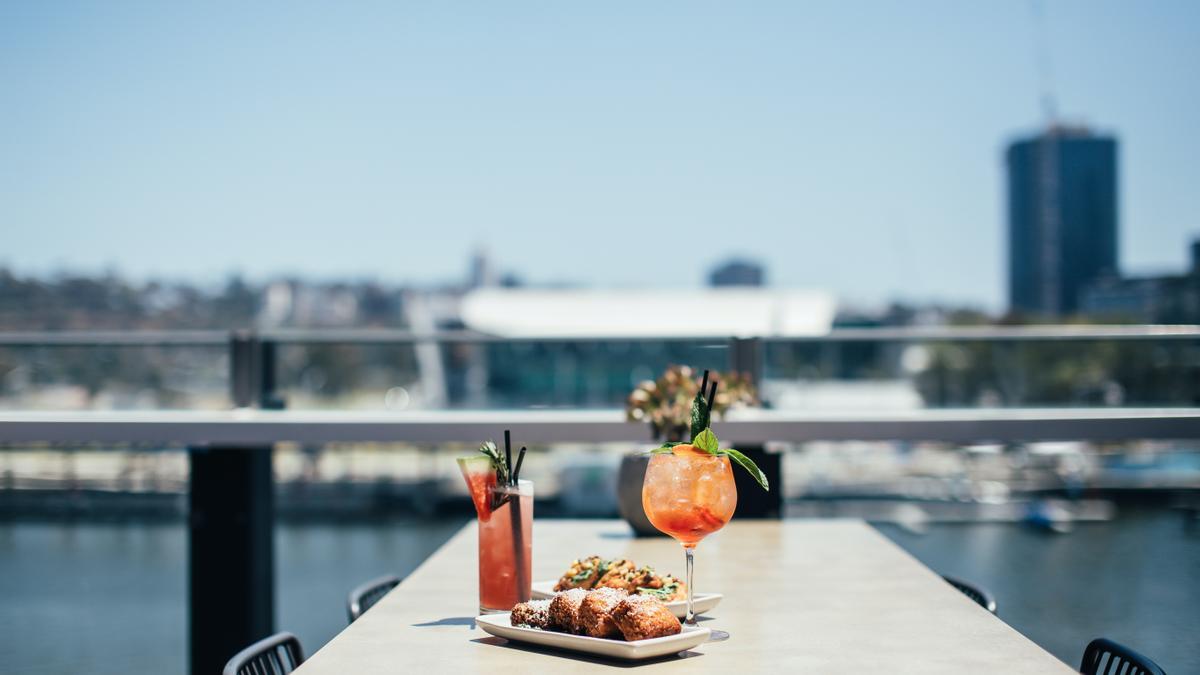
(514, 512)
(711, 397)
(704, 384)
(517, 469)
(508, 457)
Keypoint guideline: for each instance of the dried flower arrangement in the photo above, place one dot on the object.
(666, 403)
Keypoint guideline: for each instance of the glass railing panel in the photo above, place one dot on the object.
(827, 374)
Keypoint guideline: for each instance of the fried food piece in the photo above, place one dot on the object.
(595, 612)
(619, 574)
(564, 610)
(583, 573)
(623, 575)
(641, 617)
(665, 587)
(535, 614)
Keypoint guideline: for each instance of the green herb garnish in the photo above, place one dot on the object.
(666, 448)
(704, 439)
(747, 464)
(661, 593)
(701, 413)
(492, 452)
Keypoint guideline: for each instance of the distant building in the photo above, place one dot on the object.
(481, 274)
(644, 314)
(737, 273)
(588, 347)
(1062, 218)
(1172, 298)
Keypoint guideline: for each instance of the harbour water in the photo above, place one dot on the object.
(108, 598)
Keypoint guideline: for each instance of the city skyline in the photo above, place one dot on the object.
(851, 148)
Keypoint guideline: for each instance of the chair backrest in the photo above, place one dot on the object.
(276, 655)
(1105, 657)
(977, 593)
(365, 596)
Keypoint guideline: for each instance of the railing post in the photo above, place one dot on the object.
(746, 357)
(231, 583)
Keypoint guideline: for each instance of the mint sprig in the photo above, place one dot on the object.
(707, 441)
(704, 439)
(749, 465)
(666, 448)
(701, 415)
(492, 452)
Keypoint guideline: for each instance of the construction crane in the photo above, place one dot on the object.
(1049, 211)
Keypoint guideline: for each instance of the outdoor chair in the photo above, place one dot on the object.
(1105, 657)
(980, 595)
(275, 655)
(365, 596)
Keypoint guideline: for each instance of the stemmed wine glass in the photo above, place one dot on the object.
(689, 494)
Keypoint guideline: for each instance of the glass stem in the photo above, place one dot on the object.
(689, 551)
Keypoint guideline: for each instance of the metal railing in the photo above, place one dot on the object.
(387, 335)
(997, 365)
(745, 427)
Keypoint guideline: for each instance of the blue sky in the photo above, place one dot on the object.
(852, 146)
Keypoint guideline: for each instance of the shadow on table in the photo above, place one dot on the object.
(580, 656)
(468, 621)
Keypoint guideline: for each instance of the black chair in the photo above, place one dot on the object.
(1105, 657)
(980, 595)
(276, 655)
(365, 596)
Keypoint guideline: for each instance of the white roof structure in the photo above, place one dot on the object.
(576, 313)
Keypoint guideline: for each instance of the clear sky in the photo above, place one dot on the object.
(852, 146)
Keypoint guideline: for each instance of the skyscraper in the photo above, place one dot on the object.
(1062, 218)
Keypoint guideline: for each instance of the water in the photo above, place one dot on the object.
(1135, 580)
(108, 598)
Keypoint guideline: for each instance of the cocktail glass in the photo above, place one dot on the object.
(689, 494)
(505, 514)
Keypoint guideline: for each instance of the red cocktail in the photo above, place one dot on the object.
(505, 514)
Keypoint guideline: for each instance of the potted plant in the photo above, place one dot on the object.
(666, 404)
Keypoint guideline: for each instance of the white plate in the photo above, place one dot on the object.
(703, 602)
(500, 626)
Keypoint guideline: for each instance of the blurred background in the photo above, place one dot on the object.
(862, 207)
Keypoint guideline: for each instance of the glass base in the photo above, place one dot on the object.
(488, 610)
(717, 636)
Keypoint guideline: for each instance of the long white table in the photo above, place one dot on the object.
(800, 596)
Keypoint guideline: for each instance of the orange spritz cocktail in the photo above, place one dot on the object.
(688, 491)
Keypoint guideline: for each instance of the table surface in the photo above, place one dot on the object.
(799, 596)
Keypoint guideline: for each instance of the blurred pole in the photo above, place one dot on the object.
(746, 358)
(231, 585)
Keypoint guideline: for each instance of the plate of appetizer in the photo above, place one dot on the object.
(606, 622)
(593, 572)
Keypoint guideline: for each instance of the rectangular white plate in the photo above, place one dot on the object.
(500, 626)
(703, 602)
